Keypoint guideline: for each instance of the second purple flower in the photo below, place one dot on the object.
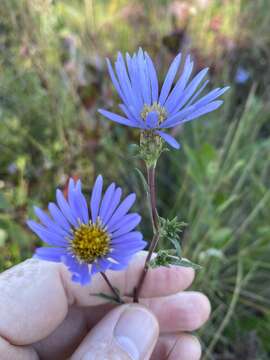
(145, 107)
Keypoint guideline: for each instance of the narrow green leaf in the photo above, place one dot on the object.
(110, 298)
(177, 246)
(186, 263)
(143, 180)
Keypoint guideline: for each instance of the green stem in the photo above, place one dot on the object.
(151, 174)
(152, 248)
(154, 242)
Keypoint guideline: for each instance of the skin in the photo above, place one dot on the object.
(44, 315)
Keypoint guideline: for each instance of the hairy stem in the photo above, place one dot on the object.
(152, 247)
(154, 215)
(151, 173)
(117, 296)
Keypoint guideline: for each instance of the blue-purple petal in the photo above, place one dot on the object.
(152, 120)
(82, 203)
(113, 205)
(140, 123)
(101, 265)
(117, 118)
(211, 96)
(50, 254)
(48, 222)
(189, 91)
(169, 79)
(196, 94)
(80, 272)
(132, 236)
(58, 217)
(105, 203)
(153, 77)
(65, 208)
(126, 229)
(178, 117)
(122, 250)
(47, 236)
(115, 81)
(125, 85)
(74, 202)
(169, 139)
(121, 210)
(179, 87)
(126, 220)
(204, 110)
(133, 74)
(118, 262)
(143, 78)
(96, 198)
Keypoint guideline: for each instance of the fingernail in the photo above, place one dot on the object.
(136, 331)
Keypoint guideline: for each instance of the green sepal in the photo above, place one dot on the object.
(151, 147)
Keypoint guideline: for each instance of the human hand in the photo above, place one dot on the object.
(43, 314)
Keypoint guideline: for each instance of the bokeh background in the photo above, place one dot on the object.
(52, 80)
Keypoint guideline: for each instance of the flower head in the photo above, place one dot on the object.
(145, 107)
(242, 75)
(103, 238)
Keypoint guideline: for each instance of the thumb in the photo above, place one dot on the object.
(127, 332)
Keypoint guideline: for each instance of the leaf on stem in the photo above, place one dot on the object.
(110, 298)
(170, 257)
(143, 180)
(170, 231)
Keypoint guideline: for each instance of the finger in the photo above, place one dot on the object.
(62, 342)
(38, 293)
(11, 352)
(186, 311)
(127, 332)
(158, 282)
(177, 346)
(181, 312)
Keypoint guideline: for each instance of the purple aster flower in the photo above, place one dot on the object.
(145, 107)
(242, 75)
(103, 238)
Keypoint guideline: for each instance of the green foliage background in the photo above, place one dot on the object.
(52, 80)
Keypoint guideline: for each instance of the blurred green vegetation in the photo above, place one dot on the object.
(52, 80)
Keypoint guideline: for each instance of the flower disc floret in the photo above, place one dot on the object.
(90, 241)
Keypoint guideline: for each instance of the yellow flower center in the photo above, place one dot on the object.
(90, 242)
(160, 110)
